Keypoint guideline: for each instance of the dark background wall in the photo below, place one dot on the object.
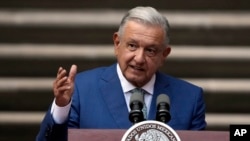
(29, 61)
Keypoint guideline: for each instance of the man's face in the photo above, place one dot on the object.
(140, 51)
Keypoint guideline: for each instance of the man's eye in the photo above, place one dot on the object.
(151, 52)
(132, 46)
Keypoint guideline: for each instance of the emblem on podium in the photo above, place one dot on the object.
(150, 131)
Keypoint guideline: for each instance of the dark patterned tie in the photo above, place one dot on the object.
(142, 92)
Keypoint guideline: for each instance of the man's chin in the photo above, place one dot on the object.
(135, 80)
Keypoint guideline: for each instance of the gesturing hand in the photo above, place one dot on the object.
(63, 86)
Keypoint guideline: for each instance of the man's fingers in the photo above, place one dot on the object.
(72, 73)
(64, 85)
(61, 73)
(59, 70)
(63, 89)
(61, 81)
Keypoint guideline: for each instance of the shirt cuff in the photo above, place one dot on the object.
(60, 114)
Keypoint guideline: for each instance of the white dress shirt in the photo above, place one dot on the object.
(127, 87)
(60, 114)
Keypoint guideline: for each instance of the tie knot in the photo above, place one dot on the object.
(138, 90)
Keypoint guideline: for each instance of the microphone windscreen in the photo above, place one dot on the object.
(136, 97)
(162, 98)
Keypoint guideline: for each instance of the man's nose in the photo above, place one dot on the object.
(139, 55)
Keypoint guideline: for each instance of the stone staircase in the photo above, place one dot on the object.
(210, 47)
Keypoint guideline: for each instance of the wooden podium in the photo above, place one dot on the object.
(117, 134)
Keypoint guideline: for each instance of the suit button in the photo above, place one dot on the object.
(48, 132)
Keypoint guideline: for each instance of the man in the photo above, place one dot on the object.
(99, 98)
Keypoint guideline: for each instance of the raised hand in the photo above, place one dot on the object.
(63, 86)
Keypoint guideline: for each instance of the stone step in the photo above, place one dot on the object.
(61, 51)
(173, 5)
(18, 132)
(221, 95)
(209, 61)
(100, 35)
(88, 26)
(209, 84)
(200, 19)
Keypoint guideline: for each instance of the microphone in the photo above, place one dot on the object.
(162, 113)
(136, 105)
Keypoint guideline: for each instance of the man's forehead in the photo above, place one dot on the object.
(139, 33)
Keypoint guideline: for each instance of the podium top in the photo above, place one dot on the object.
(117, 134)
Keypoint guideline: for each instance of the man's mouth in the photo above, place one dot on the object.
(137, 68)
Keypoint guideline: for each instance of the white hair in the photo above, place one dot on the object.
(146, 15)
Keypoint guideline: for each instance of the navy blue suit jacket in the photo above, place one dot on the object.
(98, 102)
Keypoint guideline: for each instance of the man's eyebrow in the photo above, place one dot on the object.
(132, 40)
(153, 46)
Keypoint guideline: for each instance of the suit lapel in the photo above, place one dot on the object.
(113, 96)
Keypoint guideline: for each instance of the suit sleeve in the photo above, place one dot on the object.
(198, 121)
(50, 131)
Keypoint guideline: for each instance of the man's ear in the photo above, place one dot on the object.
(165, 54)
(166, 51)
(116, 41)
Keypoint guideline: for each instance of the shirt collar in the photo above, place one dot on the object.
(127, 86)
